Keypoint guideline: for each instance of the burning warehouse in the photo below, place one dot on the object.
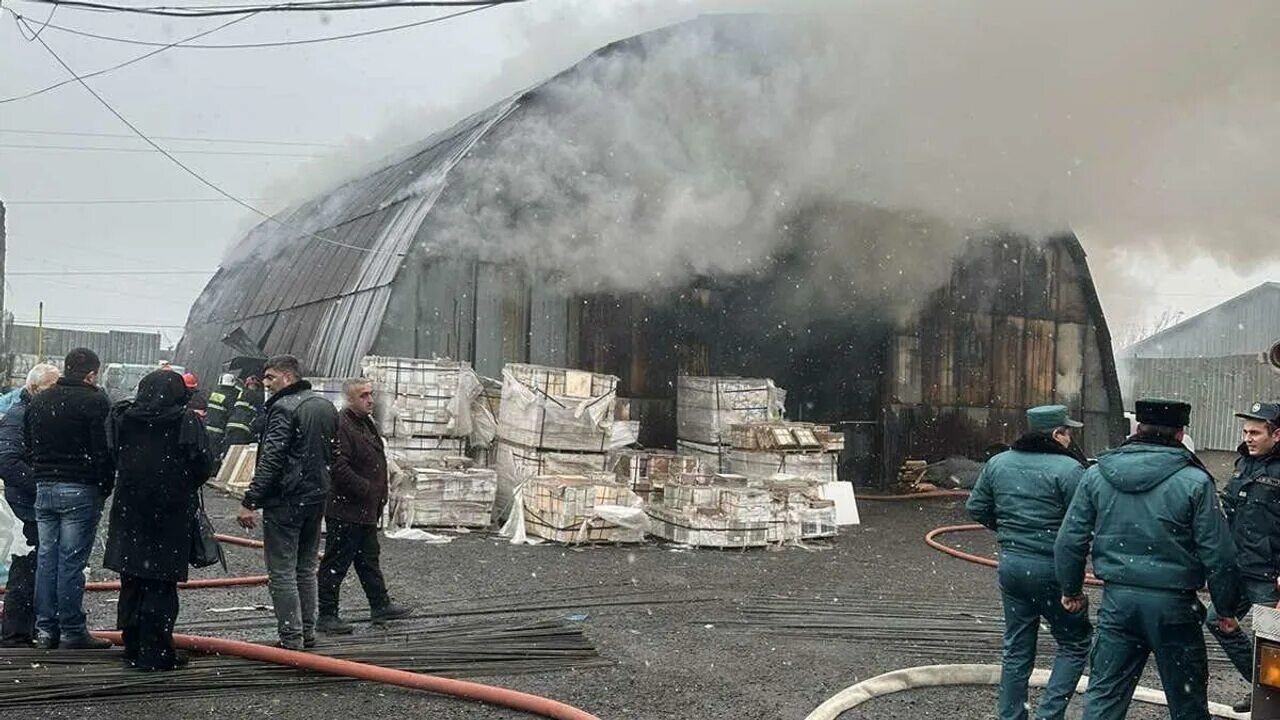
(670, 206)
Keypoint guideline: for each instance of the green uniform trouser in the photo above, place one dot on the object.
(1134, 623)
(1030, 592)
(1239, 645)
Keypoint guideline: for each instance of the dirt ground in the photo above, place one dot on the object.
(685, 656)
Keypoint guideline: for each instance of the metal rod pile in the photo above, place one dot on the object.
(35, 677)
(957, 629)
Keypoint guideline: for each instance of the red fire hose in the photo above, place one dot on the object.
(504, 697)
(930, 539)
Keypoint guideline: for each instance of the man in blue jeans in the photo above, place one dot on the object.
(1023, 494)
(66, 438)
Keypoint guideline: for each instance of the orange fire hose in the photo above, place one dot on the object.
(930, 539)
(345, 668)
(490, 694)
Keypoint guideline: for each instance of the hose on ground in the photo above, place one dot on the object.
(929, 676)
(333, 666)
(514, 699)
(931, 539)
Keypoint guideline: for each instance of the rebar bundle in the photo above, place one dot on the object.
(36, 677)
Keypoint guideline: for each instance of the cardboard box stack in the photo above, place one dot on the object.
(708, 407)
(583, 508)
(552, 421)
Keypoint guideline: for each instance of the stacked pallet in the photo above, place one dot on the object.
(713, 510)
(552, 421)
(762, 450)
(237, 469)
(708, 407)
(582, 509)
(426, 410)
(799, 510)
(647, 472)
(453, 497)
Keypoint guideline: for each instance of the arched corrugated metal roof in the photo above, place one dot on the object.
(316, 283)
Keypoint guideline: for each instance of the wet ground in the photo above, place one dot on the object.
(686, 646)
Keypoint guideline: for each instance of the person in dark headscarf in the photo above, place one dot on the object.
(162, 456)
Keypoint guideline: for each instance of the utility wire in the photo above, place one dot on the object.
(88, 148)
(207, 11)
(279, 43)
(100, 323)
(186, 168)
(178, 138)
(124, 201)
(58, 273)
(22, 22)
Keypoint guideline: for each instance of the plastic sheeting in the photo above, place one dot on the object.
(556, 409)
(706, 407)
(12, 541)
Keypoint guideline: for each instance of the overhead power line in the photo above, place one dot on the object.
(188, 169)
(124, 201)
(89, 148)
(176, 138)
(207, 11)
(275, 44)
(22, 22)
(101, 323)
(110, 273)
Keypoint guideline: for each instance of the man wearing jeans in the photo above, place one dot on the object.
(290, 484)
(66, 437)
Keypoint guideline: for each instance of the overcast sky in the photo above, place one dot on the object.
(311, 100)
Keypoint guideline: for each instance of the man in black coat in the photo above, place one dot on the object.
(162, 454)
(290, 484)
(18, 627)
(65, 430)
(351, 516)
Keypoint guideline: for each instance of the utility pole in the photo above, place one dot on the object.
(40, 332)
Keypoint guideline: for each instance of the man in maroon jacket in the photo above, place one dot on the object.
(351, 517)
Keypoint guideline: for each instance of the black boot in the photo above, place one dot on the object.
(333, 625)
(1244, 705)
(390, 611)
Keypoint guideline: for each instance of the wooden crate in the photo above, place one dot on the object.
(237, 469)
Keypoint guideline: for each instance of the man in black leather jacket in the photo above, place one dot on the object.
(290, 485)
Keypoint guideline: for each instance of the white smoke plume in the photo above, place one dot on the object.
(1144, 124)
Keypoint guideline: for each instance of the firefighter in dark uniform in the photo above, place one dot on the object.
(243, 421)
(1151, 513)
(1252, 503)
(218, 412)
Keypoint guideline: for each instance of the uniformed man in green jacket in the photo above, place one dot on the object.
(1022, 494)
(1151, 512)
(1252, 502)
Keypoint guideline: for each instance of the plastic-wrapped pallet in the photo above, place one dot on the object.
(556, 409)
(815, 466)
(428, 398)
(647, 472)
(426, 451)
(799, 510)
(454, 498)
(706, 407)
(583, 508)
(516, 464)
(713, 511)
(710, 457)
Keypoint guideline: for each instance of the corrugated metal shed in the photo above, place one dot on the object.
(1247, 323)
(112, 346)
(1216, 387)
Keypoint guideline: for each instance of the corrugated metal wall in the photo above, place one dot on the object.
(1216, 387)
(1245, 324)
(994, 342)
(111, 346)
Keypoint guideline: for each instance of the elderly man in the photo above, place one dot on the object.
(351, 517)
(1023, 494)
(290, 485)
(1150, 511)
(65, 429)
(19, 624)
